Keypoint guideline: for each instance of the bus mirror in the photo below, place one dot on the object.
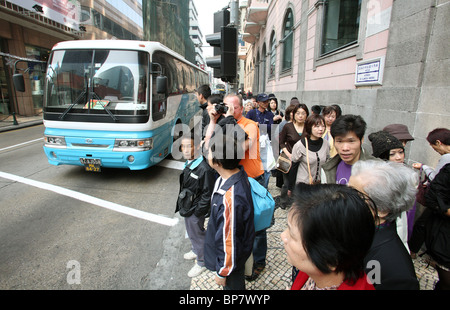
(161, 84)
(19, 82)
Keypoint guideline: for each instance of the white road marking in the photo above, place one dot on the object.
(20, 144)
(172, 164)
(160, 219)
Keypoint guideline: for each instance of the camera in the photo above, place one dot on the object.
(221, 108)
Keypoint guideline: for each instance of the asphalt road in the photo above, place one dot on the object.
(64, 228)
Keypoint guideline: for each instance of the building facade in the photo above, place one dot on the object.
(29, 29)
(385, 60)
(196, 35)
(167, 21)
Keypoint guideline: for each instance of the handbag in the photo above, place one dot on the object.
(422, 188)
(283, 163)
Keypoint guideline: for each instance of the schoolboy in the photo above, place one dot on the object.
(196, 185)
(231, 231)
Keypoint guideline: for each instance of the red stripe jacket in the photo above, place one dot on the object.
(231, 230)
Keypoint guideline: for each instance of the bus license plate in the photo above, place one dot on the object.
(91, 164)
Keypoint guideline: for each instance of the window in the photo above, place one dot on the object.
(288, 40)
(85, 13)
(341, 24)
(273, 54)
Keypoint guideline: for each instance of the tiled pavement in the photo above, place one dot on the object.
(277, 274)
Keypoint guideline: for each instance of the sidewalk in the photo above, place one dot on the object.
(7, 122)
(277, 274)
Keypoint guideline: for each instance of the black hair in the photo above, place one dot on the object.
(316, 109)
(276, 102)
(337, 227)
(338, 110)
(205, 90)
(288, 112)
(349, 122)
(300, 106)
(227, 151)
(313, 119)
(328, 109)
(215, 99)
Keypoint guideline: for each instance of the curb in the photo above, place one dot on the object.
(21, 125)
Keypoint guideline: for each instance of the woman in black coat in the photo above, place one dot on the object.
(437, 239)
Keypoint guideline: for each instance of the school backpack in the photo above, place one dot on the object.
(263, 204)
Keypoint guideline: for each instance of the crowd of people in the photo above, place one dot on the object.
(353, 219)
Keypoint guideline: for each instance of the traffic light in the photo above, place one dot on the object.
(224, 41)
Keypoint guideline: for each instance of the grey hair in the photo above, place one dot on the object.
(392, 186)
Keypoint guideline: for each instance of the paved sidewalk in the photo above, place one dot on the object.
(7, 122)
(277, 274)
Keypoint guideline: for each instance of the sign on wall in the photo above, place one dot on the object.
(369, 72)
(66, 12)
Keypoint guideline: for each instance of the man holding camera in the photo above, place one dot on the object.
(232, 109)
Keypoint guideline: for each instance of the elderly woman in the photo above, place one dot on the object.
(388, 147)
(330, 229)
(392, 187)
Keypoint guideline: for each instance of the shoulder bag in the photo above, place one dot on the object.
(283, 163)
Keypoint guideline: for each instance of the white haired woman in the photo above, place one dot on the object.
(392, 187)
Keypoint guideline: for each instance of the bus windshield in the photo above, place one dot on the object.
(107, 83)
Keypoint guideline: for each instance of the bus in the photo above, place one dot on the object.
(116, 103)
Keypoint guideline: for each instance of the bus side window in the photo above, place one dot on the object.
(159, 101)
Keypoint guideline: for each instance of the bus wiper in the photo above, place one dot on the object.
(94, 94)
(82, 95)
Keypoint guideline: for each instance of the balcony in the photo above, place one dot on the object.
(257, 11)
(249, 38)
(255, 20)
(252, 28)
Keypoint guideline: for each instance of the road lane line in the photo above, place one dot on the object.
(160, 219)
(20, 144)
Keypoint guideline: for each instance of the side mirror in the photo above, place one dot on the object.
(161, 84)
(19, 82)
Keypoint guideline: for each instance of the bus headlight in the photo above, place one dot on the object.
(133, 145)
(55, 141)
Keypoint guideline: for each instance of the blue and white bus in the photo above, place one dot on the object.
(113, 103)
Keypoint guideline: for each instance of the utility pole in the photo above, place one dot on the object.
(235, 21)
